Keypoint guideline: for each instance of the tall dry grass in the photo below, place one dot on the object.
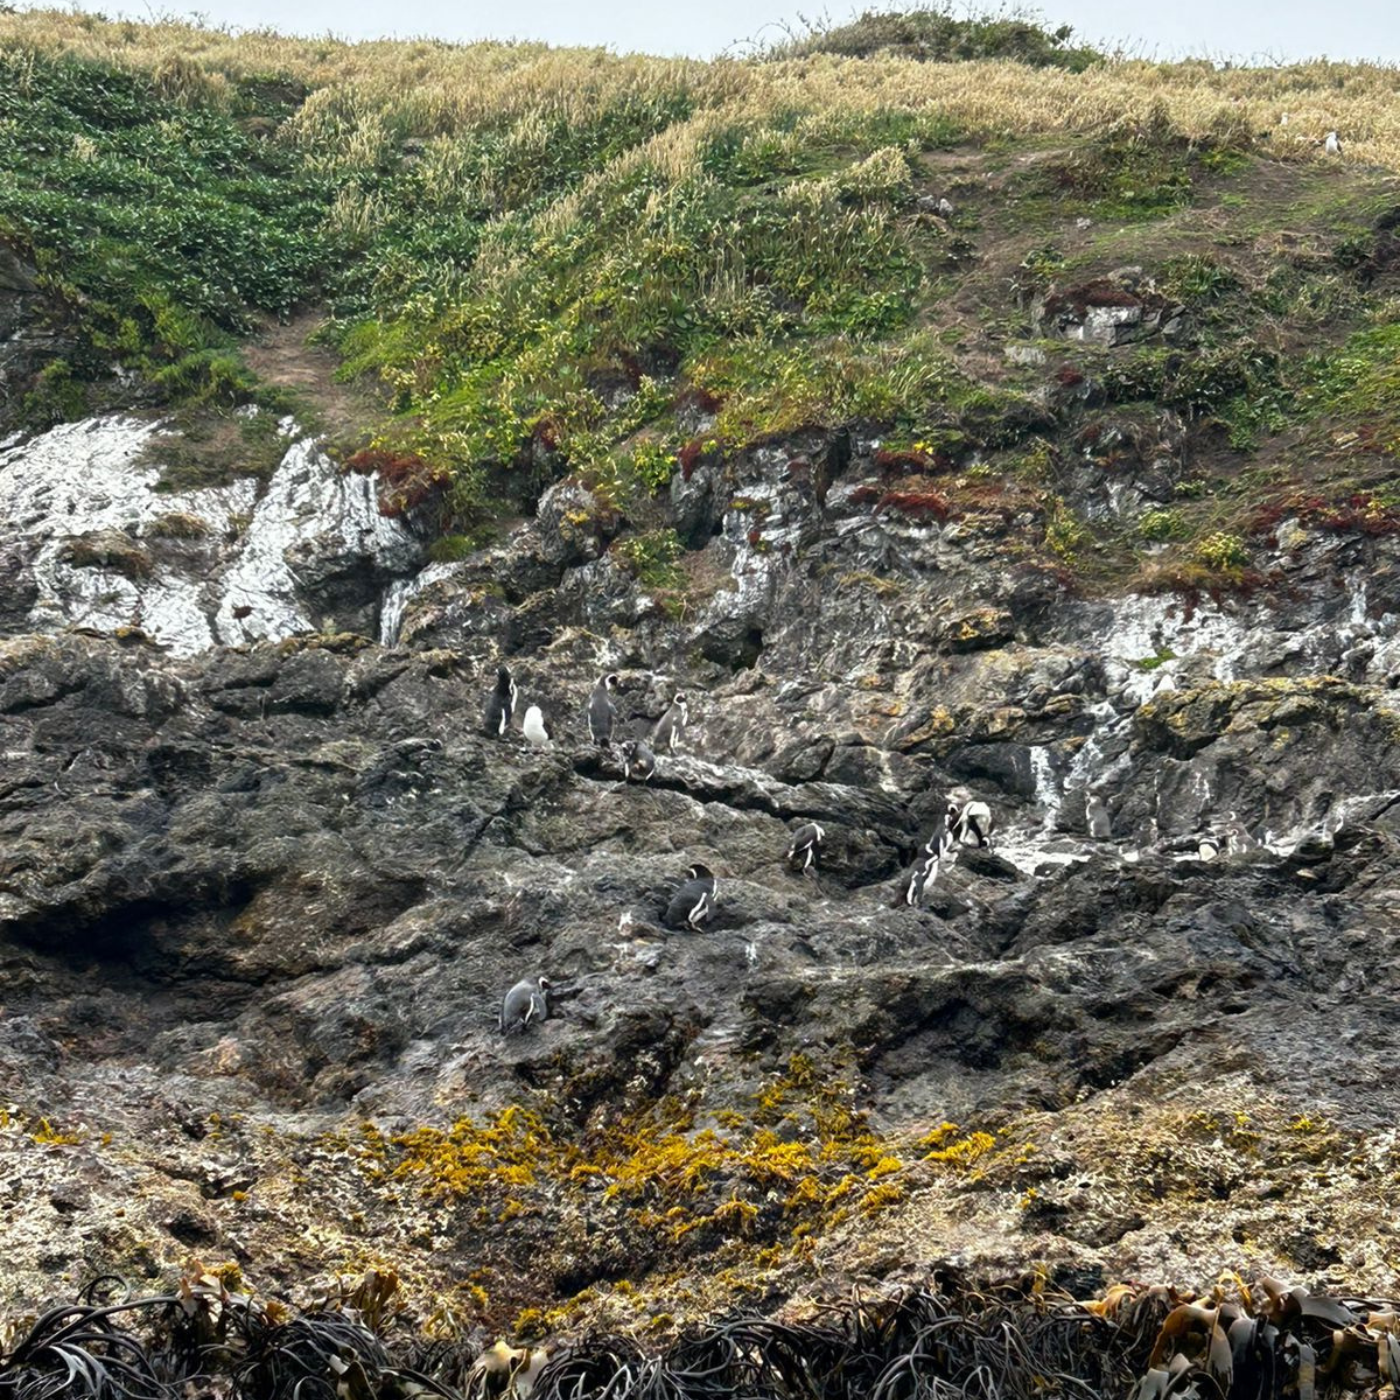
(369, 93)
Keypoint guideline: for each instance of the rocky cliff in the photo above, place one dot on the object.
(260, 904)
(264, 877)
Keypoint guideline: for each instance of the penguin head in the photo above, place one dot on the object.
(680, 698)
(699, 872)
(544, 984)
(503, 679)
(610, 681)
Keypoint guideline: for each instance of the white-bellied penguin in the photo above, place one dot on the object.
(535, 733)
(805, 843)
(526, 1003)
(671, 726)
(638, 761)
(694, 903)
(501, 704)
(601, 711)
(968, 817)
(1236, 837)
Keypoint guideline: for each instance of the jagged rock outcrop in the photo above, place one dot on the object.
(88, 538)
(287, 884)
(258, 903)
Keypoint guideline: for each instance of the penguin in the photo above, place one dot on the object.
(1207, 848)
(694, 903)
(671, 725)
(503, 1370)
(1096, 816)
(535, 734)
(501, 706)
(945, 207)
(1331, 144)
(602, 711)
(491, 1372)
(806, 841)
(525, 1003)
(941, 848)
(1235, 836)
(638, 759)
(968, 816)
(923, 874)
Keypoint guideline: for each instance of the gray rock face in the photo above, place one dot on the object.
(292, 883)
(89, 541)
(288, 882)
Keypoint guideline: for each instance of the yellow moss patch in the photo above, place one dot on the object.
(945, 1147)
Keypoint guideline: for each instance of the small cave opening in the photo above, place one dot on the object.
(749, 650)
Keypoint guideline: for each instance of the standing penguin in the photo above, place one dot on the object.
(638, 760)
(1096, 817)
(1332, 145)
(501, 704)
(602, 711)
(525, 1003)
(923, 874)
(806, 841)
(671, 726)
(694, 903)
(940, 849)
(966, 816)
(1236, 836)
(535, 734)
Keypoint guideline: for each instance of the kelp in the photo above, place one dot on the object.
(950, 1338)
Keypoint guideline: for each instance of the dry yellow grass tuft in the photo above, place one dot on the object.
(367, 93)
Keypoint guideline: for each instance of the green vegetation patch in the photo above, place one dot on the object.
(932, 33)
(1145, 168)
(160, 221)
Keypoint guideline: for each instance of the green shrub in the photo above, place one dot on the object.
(1195, 279)
(1157, 526)
(1223, 552)
(56, 397)
(931, 32)
(651, 558)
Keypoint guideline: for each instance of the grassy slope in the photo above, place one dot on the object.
(548, 258)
